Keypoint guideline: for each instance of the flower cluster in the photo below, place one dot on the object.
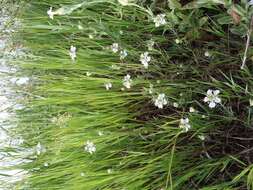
(116, 48)
(159, 20)
(161, 101)
(90, 147)
(127, 81)
(108, 86)
(145, 59)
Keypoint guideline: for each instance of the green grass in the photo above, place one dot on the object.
(142, 145)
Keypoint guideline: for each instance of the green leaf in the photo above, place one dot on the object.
(174, 4)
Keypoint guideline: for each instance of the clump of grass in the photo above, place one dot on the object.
(176, 117)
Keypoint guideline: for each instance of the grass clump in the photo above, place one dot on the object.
(150, 96)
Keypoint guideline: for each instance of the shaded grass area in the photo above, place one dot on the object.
(138, 146)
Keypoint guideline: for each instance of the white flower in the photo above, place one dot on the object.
(46, 164)
(251, 100)
(125, 2)
(40, 149)
(22, 81)
(184, 124)
(151, 89)
(72, 52)
(201, 137)
(82, 174)
(108, 86)
(178, 41)
(175, 105)
(127, 81)
(100, 133)
(251, 2)
(88, 74)
(159, 20)
(109, 171)
(123, 54)
(207, 54)
(161, 101)
(145, 59)
(51, 13)
(90, 147)
(91, 36)
(212, 98)
(191, 110)
(115, 47)
(150, 44)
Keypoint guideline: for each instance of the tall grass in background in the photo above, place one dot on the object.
(87, 130)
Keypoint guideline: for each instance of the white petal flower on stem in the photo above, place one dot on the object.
(212, 98)
(127, 81)
(72, 52)
(115, 47)
(159, 20)
(51, 13)
(145, 59)
(161, 101)
(123, 54)
(108, 86)
(184, 124)
(90, 147)
(251, 2)
(151, 89)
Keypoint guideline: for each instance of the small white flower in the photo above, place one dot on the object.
(90, 147)
(127, 81)
(51, 13)
(251, 2)
(212, 98)
(184, 124)
(82, 174)
(124, 2)
(207, 54)
(22, 81)
(46, 164)
(159, 20)
(80, 27)
(161, 101)
(178, 41)
(201, 137)
(251, 100)
(72, 52)
(145, 59)
(175, 105)
(108, 86)
(123, 54)
(191, 110)
(115, 47)
(100, 133)
(150, 44)
(109, 171)
(88, 74)
(203, 116)
(40, 149)
(151, 89)
(91, 36)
